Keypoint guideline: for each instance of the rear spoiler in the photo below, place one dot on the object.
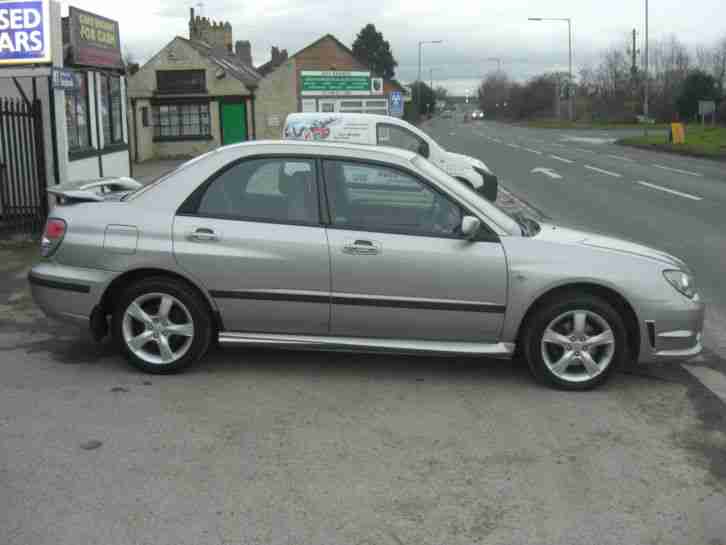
(93, 190)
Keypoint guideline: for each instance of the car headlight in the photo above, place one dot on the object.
(682, 282)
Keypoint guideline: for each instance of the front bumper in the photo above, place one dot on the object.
(674, 331)
(67, 293)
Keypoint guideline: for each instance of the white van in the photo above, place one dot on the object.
(382, 130)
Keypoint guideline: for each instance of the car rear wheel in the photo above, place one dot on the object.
(575, 343)
(161, 325)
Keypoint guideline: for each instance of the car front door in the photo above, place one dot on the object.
(400, 267)
(252, 235)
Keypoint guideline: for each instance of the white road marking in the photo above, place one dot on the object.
(678, 170)
(452, 134)
(621, 157)
(672, 191)
(547, 172)
(530, 150)
(514, 146)
(558, 158)
(496, 140)
(710, 378)
(584, 150)
(601, 171)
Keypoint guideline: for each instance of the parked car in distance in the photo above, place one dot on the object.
(383, 130)
(286, 244)
(447, 114)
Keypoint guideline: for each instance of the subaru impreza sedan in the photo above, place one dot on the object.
(305, 245)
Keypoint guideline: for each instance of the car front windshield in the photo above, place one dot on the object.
(509, 223)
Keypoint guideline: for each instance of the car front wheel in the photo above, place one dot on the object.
(161, 325)
(575, 343)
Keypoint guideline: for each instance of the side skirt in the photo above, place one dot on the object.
(363, 344)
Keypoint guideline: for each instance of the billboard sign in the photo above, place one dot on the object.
(336, 83)
(24, 32)
(94, 40)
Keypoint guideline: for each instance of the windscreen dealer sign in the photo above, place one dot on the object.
(24, 32)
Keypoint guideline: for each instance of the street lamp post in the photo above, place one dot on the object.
(498, 60)
(570, 89)
(418, 81)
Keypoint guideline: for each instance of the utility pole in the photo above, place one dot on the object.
(647, 73)
(634, 63)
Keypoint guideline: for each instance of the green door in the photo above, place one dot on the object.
(234, 123)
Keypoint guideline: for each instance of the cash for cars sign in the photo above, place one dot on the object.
(94, 40)
(24, 32)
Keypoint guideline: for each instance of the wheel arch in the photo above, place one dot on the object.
(626, 310)
(117, 285)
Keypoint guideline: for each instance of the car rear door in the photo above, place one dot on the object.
(399, 267)
(252, 235)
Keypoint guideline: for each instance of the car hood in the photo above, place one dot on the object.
(564, 235)
(469, 161)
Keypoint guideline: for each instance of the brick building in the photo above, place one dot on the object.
(322, 77)
(194, 95)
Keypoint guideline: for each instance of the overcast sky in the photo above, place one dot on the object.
(471, 30)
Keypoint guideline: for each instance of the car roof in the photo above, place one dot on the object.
(318, 148)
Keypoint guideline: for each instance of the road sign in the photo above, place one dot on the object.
(395, 100)
(64, 78)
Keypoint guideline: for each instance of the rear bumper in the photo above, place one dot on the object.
(67, 293)
(675, 333)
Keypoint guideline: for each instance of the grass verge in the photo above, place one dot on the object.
(709, 142)
(562, 124)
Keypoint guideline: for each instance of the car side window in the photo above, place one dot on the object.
(399, 137)
(279, 190)
(378, 198)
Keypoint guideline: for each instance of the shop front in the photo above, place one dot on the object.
(62, 105)
(95, 103)
(342, 91)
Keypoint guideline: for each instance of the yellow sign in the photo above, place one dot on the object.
(678, 133)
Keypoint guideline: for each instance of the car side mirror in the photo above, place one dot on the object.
(470, 227)
(423, 150)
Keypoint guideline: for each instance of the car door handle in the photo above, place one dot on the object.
(361, 247)
(203, 235)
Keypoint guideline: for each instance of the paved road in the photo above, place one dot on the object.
(292, 448)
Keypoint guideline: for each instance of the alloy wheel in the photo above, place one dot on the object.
(578, 345)
(158, 328)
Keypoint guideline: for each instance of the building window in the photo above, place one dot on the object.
(181, 121)
(170, 82)
(111, 114)
(77, 125)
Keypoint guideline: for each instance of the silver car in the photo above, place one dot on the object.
(352, 248)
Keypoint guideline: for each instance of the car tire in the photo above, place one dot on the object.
(575, 342)
(161, 325)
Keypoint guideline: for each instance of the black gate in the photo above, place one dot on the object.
(23, 201)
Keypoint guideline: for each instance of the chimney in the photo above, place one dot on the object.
(278, 56)
(243, 50)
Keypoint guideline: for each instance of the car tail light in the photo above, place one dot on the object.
(55, 230)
